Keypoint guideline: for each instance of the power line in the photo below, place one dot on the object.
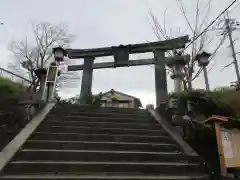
(235, 7)
(199, 35)
(216, 50)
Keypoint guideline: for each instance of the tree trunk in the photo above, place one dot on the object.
(185, 85)
(189, 85)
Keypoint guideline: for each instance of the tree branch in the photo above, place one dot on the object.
(180, 5)
(46, 37)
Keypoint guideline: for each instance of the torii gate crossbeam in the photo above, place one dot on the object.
(121, 56)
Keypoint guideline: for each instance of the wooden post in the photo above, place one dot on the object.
(50, 82)
(86, 86)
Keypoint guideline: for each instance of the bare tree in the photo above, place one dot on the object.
(37, 53)
(202, 11)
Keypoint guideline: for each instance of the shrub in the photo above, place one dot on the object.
(217, 102)
(12, 116)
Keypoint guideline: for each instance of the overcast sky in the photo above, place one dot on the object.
(99, 23)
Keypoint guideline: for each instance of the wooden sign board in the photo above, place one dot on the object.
(228, 142)
(231, 147)
(52, 73)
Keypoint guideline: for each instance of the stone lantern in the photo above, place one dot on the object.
(203, 61)
(203, 58)
(59, 54)
(177, 64)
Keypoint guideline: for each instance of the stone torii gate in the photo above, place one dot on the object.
(121, 59)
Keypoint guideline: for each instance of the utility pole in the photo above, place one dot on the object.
(230, 26)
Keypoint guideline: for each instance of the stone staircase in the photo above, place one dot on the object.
(83, 143)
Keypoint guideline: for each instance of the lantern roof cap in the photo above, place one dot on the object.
(203, 54)
(60, 48)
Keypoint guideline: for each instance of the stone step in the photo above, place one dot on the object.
(72, 108)
(85, 142)
(99, 119)
(101, 155)
(100, 137)
(96, 130)
(106, 177)
(90, 145)
(103, 124)
(79, 167)
(103, 114)
(99, 110)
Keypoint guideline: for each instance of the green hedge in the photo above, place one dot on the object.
(11, 89)
(208, 103)
(12, 116)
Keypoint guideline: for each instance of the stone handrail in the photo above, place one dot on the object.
(9, 151)
(187, 149)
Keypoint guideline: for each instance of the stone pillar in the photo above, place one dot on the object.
(42, 84)
(206, 78)
(177, 85)
(86, 86)
(160, 80)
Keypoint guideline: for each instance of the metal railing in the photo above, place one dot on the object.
(14, 77)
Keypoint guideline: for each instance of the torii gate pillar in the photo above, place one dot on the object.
(160, 80)
(86, 86)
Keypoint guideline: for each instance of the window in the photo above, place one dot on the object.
(121, 105)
